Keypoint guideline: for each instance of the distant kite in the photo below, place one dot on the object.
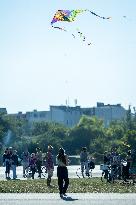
(70, 16)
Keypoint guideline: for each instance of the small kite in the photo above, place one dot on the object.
(70, 16)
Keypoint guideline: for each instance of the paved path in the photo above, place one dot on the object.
(72, 199)
(71, 169)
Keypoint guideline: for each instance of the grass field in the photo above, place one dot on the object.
(92, 185)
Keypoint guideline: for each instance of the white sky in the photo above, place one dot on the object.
(41, 66)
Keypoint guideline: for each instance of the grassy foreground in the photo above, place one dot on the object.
(92, 185)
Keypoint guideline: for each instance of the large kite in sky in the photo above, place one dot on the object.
(70, 16)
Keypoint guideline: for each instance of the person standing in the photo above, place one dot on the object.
(39, 161)
(25, 161)
(84, 161)
(62, 172)
(129, 160)
(32, 164)
(133, 165)
(6, 163)
(14, 163)
(49, 164)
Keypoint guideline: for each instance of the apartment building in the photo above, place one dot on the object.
(70, 116)
(107, 113)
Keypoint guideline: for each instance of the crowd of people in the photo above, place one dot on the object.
(34, 162)
(113, 165)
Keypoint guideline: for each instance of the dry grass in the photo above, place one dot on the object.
(92, 185)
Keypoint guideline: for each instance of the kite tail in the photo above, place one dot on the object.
(102, 17)
(83, 37)
(60, 28)
(63, 29)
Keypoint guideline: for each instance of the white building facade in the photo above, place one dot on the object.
(70, 116)
(107, 113)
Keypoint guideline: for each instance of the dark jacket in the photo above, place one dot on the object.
(14, 159)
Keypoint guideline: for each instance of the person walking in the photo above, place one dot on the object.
(62, 172)
(49, 164)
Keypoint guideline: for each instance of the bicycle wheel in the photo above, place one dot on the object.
(83, 174)
(78, 173)
(105, 176)
(28, 172)
(44, 172)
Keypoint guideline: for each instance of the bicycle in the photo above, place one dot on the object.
(28, 172)
(106, 174)
(91, 166)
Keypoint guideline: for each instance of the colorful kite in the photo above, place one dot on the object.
(70, 16)
(66, 15)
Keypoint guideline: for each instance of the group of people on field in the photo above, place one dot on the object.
(33, 162)
(10, 161)
(120, 168)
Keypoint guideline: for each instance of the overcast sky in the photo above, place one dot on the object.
(41, 66)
